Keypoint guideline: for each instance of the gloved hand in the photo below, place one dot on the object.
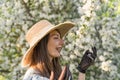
(87, 60)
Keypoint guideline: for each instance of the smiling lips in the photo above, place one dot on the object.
(59, 49)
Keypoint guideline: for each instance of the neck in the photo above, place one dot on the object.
(50, 58)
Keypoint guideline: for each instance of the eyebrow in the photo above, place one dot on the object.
(54, 34)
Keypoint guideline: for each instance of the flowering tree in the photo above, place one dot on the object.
(97, 24)
(100, 25)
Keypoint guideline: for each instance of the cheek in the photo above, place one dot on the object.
(51, 47)
(51, 51)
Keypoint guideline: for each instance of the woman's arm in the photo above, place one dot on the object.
(81, 76)
(87, 60)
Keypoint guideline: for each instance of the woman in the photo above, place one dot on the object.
(42, 58)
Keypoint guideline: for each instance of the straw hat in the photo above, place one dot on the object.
(40, 30)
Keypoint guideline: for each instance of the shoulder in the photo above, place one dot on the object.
(31, 75)
(38, 77)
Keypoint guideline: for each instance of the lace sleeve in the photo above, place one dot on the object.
(38, 77)
(31, 75)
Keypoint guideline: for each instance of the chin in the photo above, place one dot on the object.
(55, 54)
(58, 55)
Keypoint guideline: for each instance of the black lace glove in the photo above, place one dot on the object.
(87, 60)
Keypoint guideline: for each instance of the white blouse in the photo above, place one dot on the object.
(31, 75)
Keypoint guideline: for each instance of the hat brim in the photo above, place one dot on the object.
(63, 29)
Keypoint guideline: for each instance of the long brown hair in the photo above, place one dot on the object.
(40, 60)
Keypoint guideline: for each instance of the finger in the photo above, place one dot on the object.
(67, 74)
(87, 52)
(93, 55)
(90, 56)
(94, 51)
(52, 75)
(62, 74)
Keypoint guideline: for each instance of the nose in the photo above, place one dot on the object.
(61, 42)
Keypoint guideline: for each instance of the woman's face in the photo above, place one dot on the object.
(55, 44)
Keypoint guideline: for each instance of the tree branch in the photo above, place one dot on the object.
(27, 8)
(98, 35)
(4, 71)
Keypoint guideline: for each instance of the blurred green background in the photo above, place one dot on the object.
(97, 24)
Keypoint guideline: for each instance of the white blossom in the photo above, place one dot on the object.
(102, 58)
(106, 66)
(72, 67)
(72, 56)
(25, 1)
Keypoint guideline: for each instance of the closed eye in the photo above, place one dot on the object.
(56, 37)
